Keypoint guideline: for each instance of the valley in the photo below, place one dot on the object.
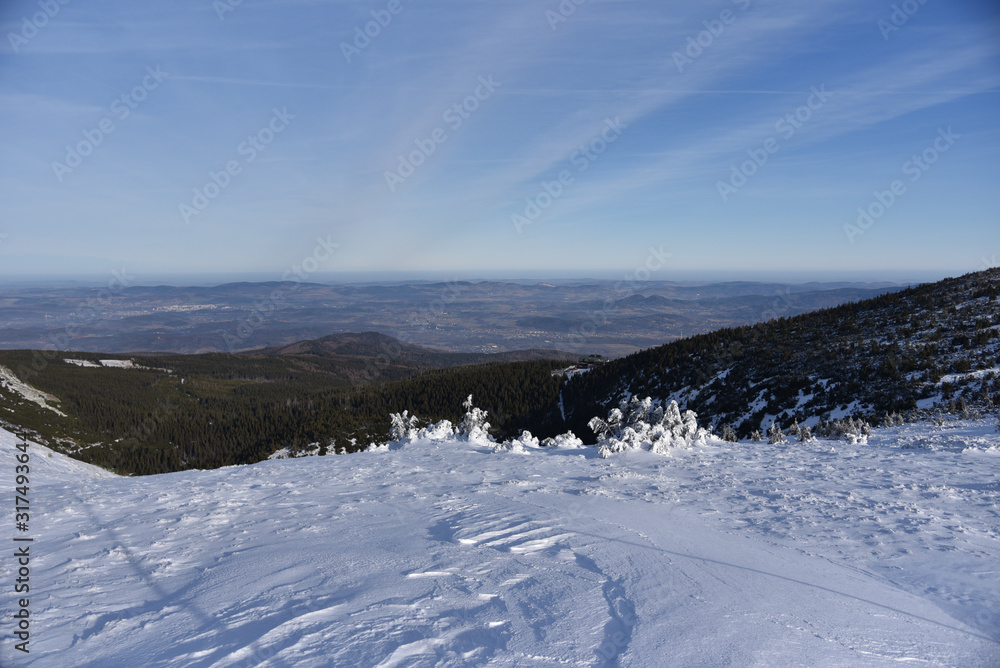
(611, 318)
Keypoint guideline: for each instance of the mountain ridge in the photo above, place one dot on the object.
(862, 358)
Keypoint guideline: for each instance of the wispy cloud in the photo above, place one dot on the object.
(353, 120)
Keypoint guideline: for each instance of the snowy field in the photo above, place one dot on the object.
(447, 554)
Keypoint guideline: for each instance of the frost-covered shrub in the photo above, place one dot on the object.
(474, 426)
(854, 431)
(567, 440)
(963, 408)
(805, 434)
(637, 425)
(775, 435)
(985, 397)
(728, 434)
(404, 427)
(439, 431)
(521, 444)
(756, 436)
(795, 428)
(892, 419)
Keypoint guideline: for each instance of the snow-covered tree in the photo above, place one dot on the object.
(805, 434)
(568, 440)
(756, 436)
(403, 426)
(405, 429)
(728, 434)
(474, 426)
(775, 435)
(636, 424)
(520, 445)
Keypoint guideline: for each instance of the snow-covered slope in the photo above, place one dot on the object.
(447, 554)
(47, 465)
(10, 380)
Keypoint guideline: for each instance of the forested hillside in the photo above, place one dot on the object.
(168, 413)
(931, 345)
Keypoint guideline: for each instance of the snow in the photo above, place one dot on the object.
(853, 408)
(113, 364)
(571, 371)
(973, 375)
(440, 552)
(311, 450)
(10, 381)
(930, 402)
(83, 363)
(120, 364)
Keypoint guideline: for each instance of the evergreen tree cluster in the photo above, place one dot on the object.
(207, 411)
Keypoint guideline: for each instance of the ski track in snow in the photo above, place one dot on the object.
(444, 554)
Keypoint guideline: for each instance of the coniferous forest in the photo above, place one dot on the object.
(934, 345)
(207, 411)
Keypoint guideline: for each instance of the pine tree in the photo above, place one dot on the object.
(774, 435)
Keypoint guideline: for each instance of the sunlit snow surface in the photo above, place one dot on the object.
(446, 554)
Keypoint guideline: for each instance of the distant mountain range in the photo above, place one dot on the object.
(928, 348)
(606, 317)
(381, 350)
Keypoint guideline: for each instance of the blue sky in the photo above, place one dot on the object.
(670, 98)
